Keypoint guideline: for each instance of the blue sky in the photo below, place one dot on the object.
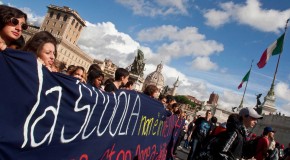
(208, 44)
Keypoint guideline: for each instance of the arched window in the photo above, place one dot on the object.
(51, 14)
(73, 21)
(77, 25)
(58, 16)
(80, 28)
(65, 18)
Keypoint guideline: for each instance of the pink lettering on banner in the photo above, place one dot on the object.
(124, 155)
(84, 157)
(109, 153)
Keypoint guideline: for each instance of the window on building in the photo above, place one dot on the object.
(77, 25)
(47, 21)
(44, 29)
(80, 28)
(51, 30)
(61, 25)
(54, 23)
(51, 14)
(66, 37)
(72, 22)
(65, 18)
(58, 16)
(58, 32)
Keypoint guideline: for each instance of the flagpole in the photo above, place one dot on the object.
(241, 105)
(271, 91)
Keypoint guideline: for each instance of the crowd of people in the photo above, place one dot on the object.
(203, 136)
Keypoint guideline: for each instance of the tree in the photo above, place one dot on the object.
(184, 100)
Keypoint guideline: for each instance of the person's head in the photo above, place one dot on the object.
(208, 114)
(162, 99)
(234, 122)
(60, 65)
(175, 107)
(268, 131)
(18, 43)
(78, 72)
(213, 119)
(277, 145)
(249, 117)
(94, 67)
(170, 99)
(70, 68)
(12, 23)
(43, 45)
(95, 78)
(151, 90)
(108, 81)
(129, 85)
(253, 136)
(121, 75)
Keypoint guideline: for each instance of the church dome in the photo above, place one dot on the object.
(155, 78)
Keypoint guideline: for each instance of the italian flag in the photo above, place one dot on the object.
(274, 49)
(246, 78)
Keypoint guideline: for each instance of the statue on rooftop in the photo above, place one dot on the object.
(138, 65)
(258, 106)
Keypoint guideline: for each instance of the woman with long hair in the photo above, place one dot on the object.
(43, 45)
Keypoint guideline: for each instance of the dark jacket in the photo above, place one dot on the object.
(230, 143)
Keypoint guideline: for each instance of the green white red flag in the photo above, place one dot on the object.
(246, 78)
(274, 49)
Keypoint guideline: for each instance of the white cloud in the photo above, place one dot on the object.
(216, 18)
(156, 7)
(251, 13)
(32, 17)
(282, 90)
(107, 42)
(284, 109)
(176, 42)
(204, 63)
(1, 2)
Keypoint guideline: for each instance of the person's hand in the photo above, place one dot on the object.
(83, 80)
(3, 45)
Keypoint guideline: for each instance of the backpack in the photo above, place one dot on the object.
(250, 147)
(208, 147)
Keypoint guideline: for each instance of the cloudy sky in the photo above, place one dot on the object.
(208, 44)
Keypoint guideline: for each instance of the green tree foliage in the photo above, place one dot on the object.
(184, 100)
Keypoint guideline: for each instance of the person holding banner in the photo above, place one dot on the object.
(79, 73)
(95, 78)
(43, 45)
(121, 78)
(12, 23)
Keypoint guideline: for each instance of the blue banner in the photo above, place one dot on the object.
(52, 116)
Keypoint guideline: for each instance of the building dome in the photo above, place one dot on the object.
(155, 78)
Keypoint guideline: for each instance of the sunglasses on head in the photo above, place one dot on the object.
(15, 22)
